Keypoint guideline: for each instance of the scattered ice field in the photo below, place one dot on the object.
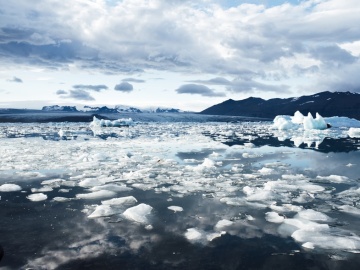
(180, 195)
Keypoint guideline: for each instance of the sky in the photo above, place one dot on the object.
(175, 53)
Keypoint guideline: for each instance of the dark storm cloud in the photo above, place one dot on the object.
(16, 79)
(198, 89)
(124, 87)
(96, 88)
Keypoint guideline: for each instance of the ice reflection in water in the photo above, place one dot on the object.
(248, 198)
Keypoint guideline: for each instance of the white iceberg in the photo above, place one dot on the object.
(354, 132)
(9, 188)
(36, 197)
(138, 213)
(285, 122)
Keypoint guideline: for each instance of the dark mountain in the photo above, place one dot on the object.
(325, 103)
(57, 108)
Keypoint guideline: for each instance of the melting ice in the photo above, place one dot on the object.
(251, 179)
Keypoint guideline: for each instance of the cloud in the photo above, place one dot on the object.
(124, 87)
(76, 94)
(133, 80)
(214, 81)
(61, 92)
(15, 79)
(251, 86)
(197, 89)
(96, 88)
(219, 40)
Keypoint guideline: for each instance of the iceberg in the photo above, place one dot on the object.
(108, 123)
(285, 122)
(9, 188)
(138, 213)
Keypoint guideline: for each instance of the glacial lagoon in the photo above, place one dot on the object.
(178, 195)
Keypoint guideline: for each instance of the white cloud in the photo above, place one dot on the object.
(295, 41)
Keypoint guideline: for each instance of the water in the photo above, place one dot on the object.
(237, 172)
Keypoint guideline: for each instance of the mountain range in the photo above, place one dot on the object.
(326, 104)
(105, 109)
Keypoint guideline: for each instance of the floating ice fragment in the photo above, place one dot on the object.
(333, 178)
(308, 245)
(328, 239)
(274, 217)
(221, 224)
(176, 208)
(313, 215)
(120, 201)
(354, 132)
(102, 211)
(42, 189)
(212, 236)
(9, 188)
(138, 213)
(90, 182)
(96, 195)
(350, 210)
(266, 171)
(112, 187)
(36, 197)
(193, 234)
(61, 199)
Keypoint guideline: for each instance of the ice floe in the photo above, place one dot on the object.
(138, 213)
(36, 197)
(9, 188)
(120, 201)
(175, 208)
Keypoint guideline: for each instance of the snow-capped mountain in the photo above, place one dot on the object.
(105, 109)
(58, 108)
(325, 103)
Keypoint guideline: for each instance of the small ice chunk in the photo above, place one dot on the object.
(266, 171)
(274, 217)
(308, 245)
(193, 234)
(354, 132)
(42, 189)
(112, 187)
(90, 182)
(313, 215)
(61, 199)
(138, 213)
(212, 236)
(96, 195)
(36, 197)
(176, 208)
(9, 188)
(221, 224)
(350, 210)
(120, 201)
(102, 211)
(334, 178)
